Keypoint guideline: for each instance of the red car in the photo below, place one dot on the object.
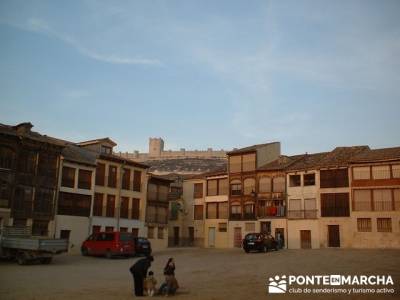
(109, 244)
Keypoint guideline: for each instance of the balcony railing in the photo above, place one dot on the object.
(235, 216)
(271, 211)
(302, 214)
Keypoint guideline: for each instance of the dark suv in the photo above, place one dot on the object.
(142, 246)
(259, 242)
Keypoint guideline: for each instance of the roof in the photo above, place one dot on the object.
(382, 154)
(121, 160)
(281, 163)
(249, 148)
(80, 155)
(341, 156)
(308, 161)
(164, 178)
(23, 130)
(97, 141)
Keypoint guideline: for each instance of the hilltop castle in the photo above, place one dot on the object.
(157, 152)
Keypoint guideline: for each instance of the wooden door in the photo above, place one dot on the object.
(305, 239)
(191, 236)
(333, 236)
(176, 236)
(237, 237)
(211, 237)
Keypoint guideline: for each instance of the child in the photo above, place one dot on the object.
(150, 284)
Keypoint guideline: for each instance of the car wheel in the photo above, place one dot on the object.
(246, 250)
(45, 260)
(21, 259)
(85, 251)
(108, 254)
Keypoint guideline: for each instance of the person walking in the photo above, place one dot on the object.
(139, 272)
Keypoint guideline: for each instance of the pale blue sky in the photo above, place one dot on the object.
(221, 74)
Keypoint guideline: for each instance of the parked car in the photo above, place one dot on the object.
(109, 244)
(259, 242)
(142, 246)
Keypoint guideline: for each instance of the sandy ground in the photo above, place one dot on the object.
(202, 274)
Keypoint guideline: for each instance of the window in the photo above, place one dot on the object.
(40, 227)
(163, 193)
(360, 173)
(98, 205)
(137, 180)
(71, 204)
(100, 174)
(110, 211)
(249, 186)
(43, 203)
(109, 237)
(198, 190)
(160, 233)
(236, 211)
(279, 184)
(106, 150)
(223, 210)
(250, 227)
(96, 228)
(264, 185)
(396, 195)
(309, 179)
(112, 176)
(236, 188)
(85, 179)
(380, 172)
(334, 178)
(295, 204)
(47, 165)
(124, 211)
(396, 171)
(27, 162)
(135, 232)
(222, 227)
(335, 205)
(223, 186)
(362, 200)
(294, 180)
(198, 212)
(19, 222)
(382, 199)
(249, 162)
(23, 199)
(384, 224)
(212, 187)
(162, 213)
(249, 210)
(152, 191)
(364, 225)
(235, 163)
(135, 208)
(151, 214)
(126, 179)
(7, 158)
(5, 194)
(150, 232)
(68, 177)
(211, 211)
(123, 229)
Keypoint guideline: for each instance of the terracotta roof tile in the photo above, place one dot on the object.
(378, 155)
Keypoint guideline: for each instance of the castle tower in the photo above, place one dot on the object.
(156, 147)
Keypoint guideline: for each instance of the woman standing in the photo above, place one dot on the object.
(171, 284)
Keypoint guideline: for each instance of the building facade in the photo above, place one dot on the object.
(158, 189)
(29, 164)
(75, 196)
(119, 192)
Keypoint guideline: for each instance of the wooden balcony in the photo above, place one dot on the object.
(302, 214)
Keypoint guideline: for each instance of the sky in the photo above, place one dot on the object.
(223, 74)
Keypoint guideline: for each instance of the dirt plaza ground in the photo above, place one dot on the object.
(202, 274)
